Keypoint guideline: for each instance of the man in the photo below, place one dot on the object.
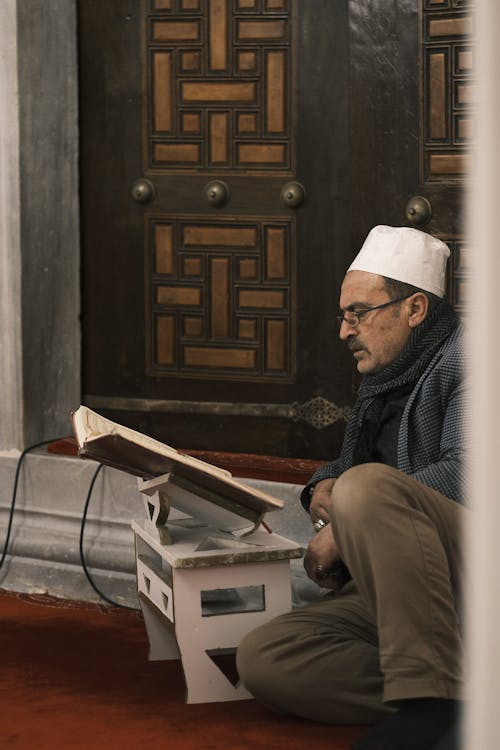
(384, 647)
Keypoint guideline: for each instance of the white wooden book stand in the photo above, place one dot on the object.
(207, 575)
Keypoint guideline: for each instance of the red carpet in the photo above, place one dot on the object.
(76, 676)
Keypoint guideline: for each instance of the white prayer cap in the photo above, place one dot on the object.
(405, 254)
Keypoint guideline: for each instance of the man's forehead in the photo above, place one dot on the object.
(359, 287)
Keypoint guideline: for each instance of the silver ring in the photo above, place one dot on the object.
(319, 524)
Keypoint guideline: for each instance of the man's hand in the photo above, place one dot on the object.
(320, 500)
(322, 552)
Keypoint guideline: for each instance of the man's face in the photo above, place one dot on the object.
(381, 334)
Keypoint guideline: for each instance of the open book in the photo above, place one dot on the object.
(135, 453)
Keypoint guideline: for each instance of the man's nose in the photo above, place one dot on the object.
(346, 330)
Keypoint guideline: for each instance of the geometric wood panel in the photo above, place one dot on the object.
(220, 85)
(449, 93)
(459, 269)
(221, 297)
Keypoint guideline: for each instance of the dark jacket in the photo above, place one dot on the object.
(431, 435)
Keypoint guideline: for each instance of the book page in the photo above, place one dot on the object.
(89, 425)
(127, 450)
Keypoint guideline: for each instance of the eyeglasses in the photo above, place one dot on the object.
(355, 317)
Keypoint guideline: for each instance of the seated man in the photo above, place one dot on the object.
(384, 646)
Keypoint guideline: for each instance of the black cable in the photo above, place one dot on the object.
(87, 502)
(14, 492)
(82, 556)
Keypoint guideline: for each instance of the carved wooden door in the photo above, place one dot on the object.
(211, 324)
(411, 107)
(448, 97)
(209, 308)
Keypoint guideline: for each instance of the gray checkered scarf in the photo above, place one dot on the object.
(398, 377)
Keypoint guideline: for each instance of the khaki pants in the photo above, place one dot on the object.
(393, 632)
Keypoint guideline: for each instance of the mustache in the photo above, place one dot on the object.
(355, 344)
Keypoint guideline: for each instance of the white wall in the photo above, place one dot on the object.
(482, 594)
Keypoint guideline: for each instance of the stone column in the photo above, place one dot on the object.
(39, 221)
(11, 374)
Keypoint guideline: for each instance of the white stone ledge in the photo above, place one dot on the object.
(44, 546)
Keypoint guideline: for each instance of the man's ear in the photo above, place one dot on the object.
(418, 308)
